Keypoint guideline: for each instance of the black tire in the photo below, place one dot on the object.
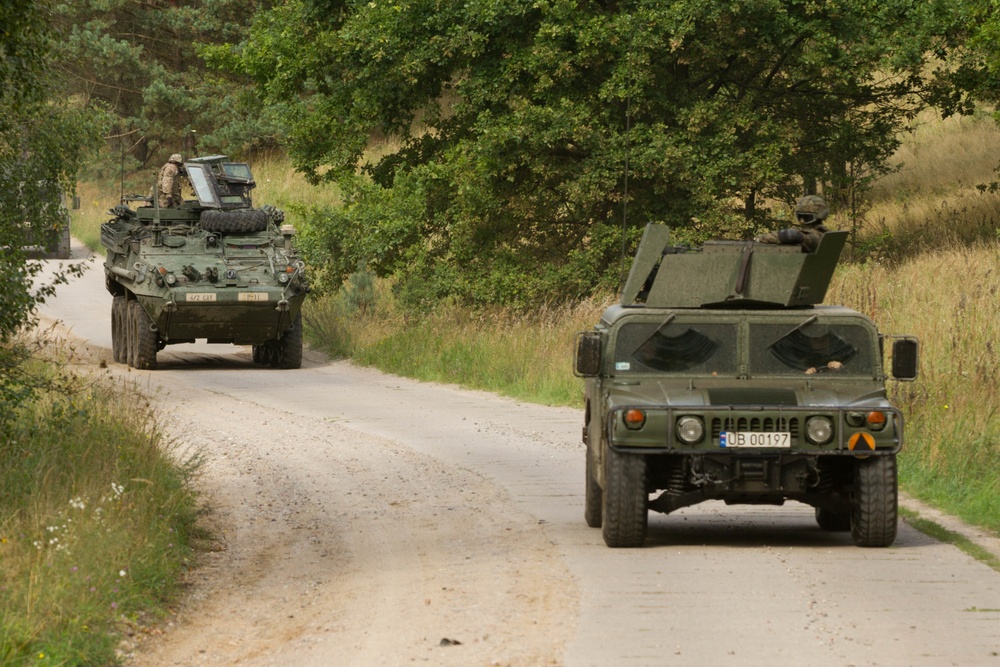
(594, 497)
(118, 333)
(625, 514)
(874, 516)
(243, 221)
(62, 249)
(835, 522)
(128, 329)
(145, 341)
(290, 346)
(261, 354)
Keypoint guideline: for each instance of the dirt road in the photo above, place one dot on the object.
(365, 519)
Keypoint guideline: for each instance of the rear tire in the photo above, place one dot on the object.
(594, 498)
(836, 522)
(874, 517)
(145, 340)
(625, 514)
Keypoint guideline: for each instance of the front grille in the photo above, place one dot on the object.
(759, 424)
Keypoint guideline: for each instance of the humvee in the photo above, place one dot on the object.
(721, 376)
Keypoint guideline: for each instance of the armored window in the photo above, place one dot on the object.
(812, 348)
(199, 181)
(677, 347)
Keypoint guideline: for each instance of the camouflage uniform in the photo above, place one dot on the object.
(810, 212)
(168, 185)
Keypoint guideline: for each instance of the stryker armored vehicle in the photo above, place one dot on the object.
(212, 268)
(719, 376)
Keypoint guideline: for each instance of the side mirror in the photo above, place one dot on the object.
(588, 354)
(905, 358)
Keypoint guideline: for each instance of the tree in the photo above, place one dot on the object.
(516, 125)
(139, 61)
(42, 142)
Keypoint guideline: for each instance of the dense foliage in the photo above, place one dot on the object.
(518, 132)
(139, 62)
(42, 141)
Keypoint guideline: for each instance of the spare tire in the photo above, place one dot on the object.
(242, 221)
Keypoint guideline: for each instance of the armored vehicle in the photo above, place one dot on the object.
(720, 376)
(212, 268)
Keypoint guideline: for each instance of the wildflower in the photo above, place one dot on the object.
(122, 573)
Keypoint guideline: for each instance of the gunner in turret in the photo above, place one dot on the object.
(810, 212)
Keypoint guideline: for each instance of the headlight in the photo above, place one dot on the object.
(170, 278)
(690, 429)
(282, 278)
(819, 430)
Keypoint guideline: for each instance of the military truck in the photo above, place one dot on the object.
(721, 376)
(212, 268)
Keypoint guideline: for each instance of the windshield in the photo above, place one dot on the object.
(797, 349)
(677, 347)
(237, 170)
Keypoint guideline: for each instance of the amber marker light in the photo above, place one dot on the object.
(876, 420)
(635, 418)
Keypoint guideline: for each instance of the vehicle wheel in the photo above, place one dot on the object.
(624, 514)
(873, 519)
(118, 334)
(128, 331)
(234, 222)
(261, 354)
(290, 346)
(833, 521)
(144, 338)
(593, 496)
(62, 249)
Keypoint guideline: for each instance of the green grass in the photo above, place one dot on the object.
(98, 523)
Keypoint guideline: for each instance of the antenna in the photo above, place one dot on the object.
(121, 178)
(628, 144)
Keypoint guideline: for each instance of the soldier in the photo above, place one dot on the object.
(810, 212)
(168, 185)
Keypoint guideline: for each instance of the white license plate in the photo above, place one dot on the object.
(755, 439)
(200, 296)
(252, 296)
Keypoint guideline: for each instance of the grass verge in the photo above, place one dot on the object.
(98, 521)
(942, 534)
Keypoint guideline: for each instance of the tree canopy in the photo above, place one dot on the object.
(515, 133)
(140, 63)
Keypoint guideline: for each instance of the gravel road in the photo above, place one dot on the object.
(365, 519)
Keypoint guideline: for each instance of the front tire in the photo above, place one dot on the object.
(145, 341)
(624, 514)
(874, 516)
(118, 330)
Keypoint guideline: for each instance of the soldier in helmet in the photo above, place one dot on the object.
(810, 212)
(168, 183)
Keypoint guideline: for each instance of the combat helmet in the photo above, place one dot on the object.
(176, 158)
(811, 210)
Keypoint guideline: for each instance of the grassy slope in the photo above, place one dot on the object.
(97, 524)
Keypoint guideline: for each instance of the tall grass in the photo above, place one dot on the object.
(950, 299)
(524, 356)
(98, 523)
